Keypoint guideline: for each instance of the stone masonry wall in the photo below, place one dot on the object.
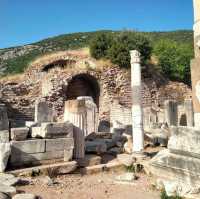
(114, 84)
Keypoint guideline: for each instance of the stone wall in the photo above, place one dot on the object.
(113, 84)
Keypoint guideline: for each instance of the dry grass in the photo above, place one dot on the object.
(12, 78)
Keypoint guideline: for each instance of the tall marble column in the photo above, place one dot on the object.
(137, 119)
(195, 65)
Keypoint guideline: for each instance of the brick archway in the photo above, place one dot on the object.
(83, 85)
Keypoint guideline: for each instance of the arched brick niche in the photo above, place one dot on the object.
(83, 85)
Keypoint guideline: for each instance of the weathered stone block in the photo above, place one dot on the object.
(28, 146)
(89, 160)
(4, 155)
(95, 147)
(25, 196)
(30, 124)
(19, 134)
(22, 158)
(185, 140)
(43, 113)
(59, 144)
(4, 123)
(68, 153)
(56, 130)
(36, 132)
(4, 136)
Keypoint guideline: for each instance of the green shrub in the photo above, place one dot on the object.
(100, 44)
(174, 59)
(117, 48)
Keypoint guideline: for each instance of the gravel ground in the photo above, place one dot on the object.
(98, 186)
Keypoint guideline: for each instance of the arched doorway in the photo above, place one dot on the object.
(83, 85)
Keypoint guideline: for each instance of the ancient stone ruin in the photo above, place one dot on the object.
(67, 110)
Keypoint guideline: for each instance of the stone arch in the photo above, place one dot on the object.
(83, 84)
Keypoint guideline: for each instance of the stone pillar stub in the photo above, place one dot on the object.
(4, 122)
(195, 76)
(43, 113)
(137, 116)
(188, 104)
(171, 113)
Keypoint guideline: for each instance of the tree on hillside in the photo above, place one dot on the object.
(119, 53)
(174, 59)
(100, 44)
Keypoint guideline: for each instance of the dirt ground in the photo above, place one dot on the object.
(98, 186)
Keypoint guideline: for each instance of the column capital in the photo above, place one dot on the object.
(135, 56)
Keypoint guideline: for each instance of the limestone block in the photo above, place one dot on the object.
(95, 147)
(8, 179)
(19, 134)
(43, 113)
(24, 196)
(68, 154)
(89, 160)
(4, 123)
(56, 130)
(5, 150)
(7, 189)
(4, 136)
(59, 144)
(4, 196)
(185, 140)
(179, 170)
(36, 132)
(30, 124)
(28, 146)
(25, 159)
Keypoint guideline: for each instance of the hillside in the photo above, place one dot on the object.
(15, 60)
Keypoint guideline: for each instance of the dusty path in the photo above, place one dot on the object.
(99, 186)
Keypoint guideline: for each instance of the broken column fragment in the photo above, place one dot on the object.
(4, 123)
(171, 114)
(189, 112)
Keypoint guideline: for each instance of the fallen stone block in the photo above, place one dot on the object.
(30, 124)
(4, 136)
(25, 159)
(89, 160)
(59, 144)
(56, 130)
(36, 132)
(28, 146)
(19, 134)
(4, 196)
(7, 189)
(9, 179)
(95, 147)
(115, 150)
(5, 151)
(126, 159)
(68, 154)
(25, 196)
(58, 168)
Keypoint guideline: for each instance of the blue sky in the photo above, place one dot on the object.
(27, 21)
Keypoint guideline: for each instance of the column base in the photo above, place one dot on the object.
(140, 155)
